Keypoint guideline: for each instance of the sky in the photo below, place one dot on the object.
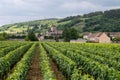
(12, 11)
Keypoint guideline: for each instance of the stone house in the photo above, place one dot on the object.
(40, 37)
(99, 37)
(54, 32)
(86, 34)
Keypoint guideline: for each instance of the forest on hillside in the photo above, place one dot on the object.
(107, 21)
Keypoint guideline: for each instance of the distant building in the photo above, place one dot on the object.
(78, 40)
(54, 32)
(40, 37)
(99, 37)
(113, 34)
(86, 35)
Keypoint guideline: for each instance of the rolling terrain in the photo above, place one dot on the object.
(107, 21)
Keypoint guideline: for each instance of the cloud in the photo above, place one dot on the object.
(81, 7)
(55, 7)
(15, 19)
(78, 5)
(52, 8)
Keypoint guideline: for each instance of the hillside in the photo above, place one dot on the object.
(21, 28)
(107, 21)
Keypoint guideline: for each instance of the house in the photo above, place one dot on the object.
(54, 32)
(86, 34)
(99, 37)
(40, 37)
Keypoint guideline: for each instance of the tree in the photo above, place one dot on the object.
(70, 33)
(116, 39)
(73, 33)
(66, 35)
(31, 36)
(4, 36)
(27, 38)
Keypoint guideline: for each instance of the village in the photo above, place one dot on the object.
(96, 37)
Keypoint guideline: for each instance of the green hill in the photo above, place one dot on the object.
(107, 21)
(21, 28)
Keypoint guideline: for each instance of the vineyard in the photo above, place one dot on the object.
(59, 61)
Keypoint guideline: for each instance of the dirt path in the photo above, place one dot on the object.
(57, 73)
(34, 72)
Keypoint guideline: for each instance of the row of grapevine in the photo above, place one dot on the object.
(11, 58)
(6, 50)
(109, 51)
(66, 65)
(22, 67)
(77, 61)
(45, 65)
(102, 60)
(4, 44)
(98, 70)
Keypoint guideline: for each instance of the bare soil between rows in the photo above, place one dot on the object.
(34, 72)
(58, 74)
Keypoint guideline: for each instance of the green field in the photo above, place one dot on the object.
(59, 61)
